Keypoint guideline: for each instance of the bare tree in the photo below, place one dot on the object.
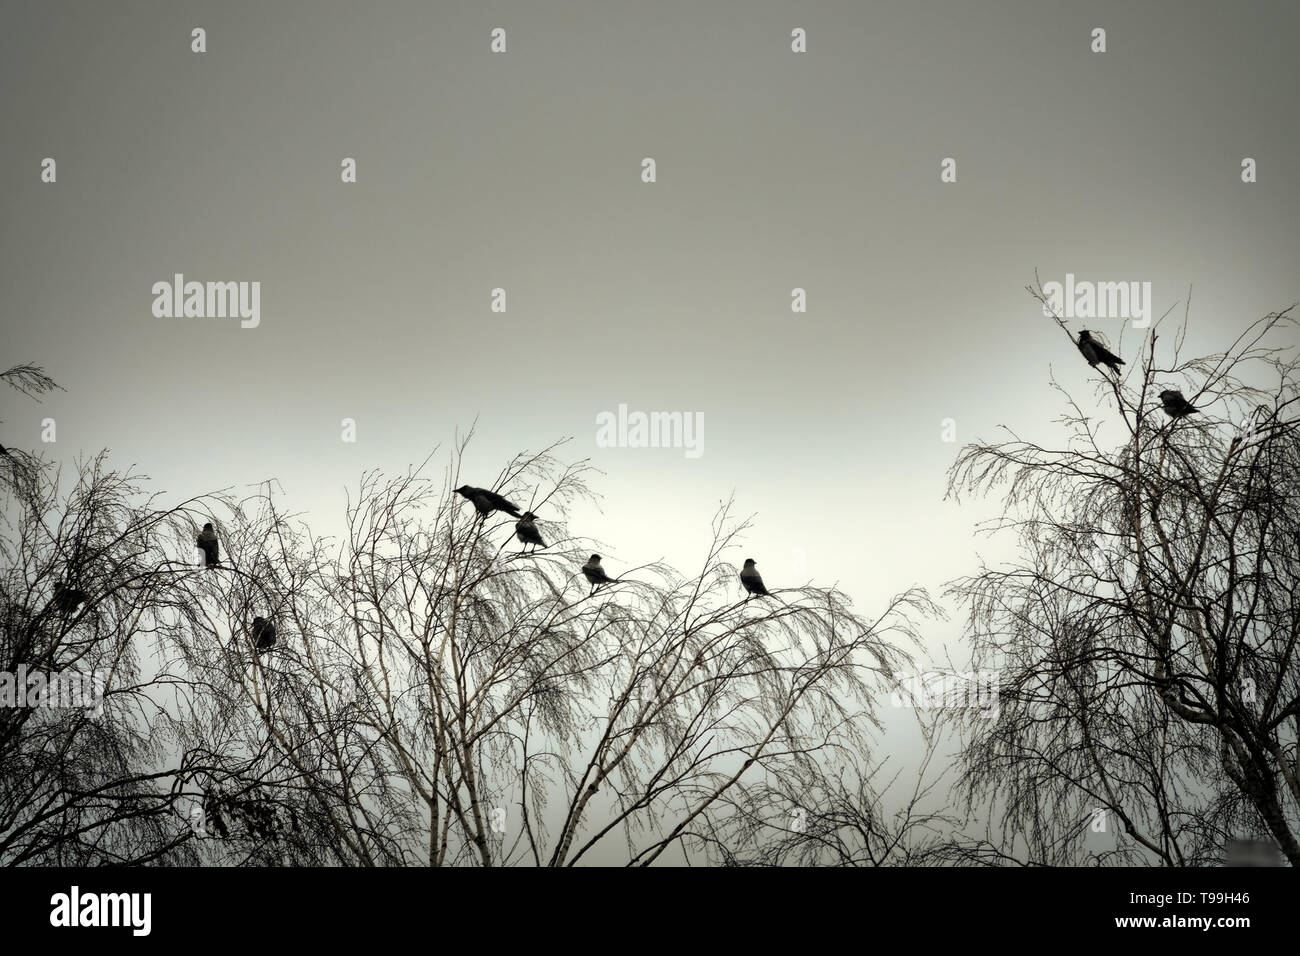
(433, 696)
(438, 697)
(84, 595)
(1147, 632)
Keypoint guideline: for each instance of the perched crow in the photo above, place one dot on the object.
(263, 633)
(1175, 406)
(595, 573)
(66, 598)
(751, 579)
(213, 804)
(526, 531)
(207, 541)
(486, 502)
(1095, 351)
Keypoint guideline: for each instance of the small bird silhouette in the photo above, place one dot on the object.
(1175, 406)
(486, 502)
(751, 579)
(67, 599)
(214, 805)
(1095, 351)
(207, 541)
(526, 531)
(595, 573)
(263, 633)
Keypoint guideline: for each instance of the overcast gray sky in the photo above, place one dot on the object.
(522, 170)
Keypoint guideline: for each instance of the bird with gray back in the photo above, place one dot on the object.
(1095, 351)
(527, 533)
(1175, 406)
(752, 580)
(263, 634)
(485, 501)
(595, 574)
(207, 542)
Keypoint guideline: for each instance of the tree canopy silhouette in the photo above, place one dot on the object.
(1147, 632)
(432, 695)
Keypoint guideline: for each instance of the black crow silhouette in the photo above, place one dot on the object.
(263, 633)
(486, 502)
(67, 599)
(751, 579)
(526, 531)
(595, 573)
(207, 541)
(213, 804)
(1095, 351)
(1175, 406)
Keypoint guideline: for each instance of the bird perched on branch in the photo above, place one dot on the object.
(1175, 406)
(67, 599)
(263, 634)
(486, 502)
(207, 542)
(595, 574)
(526, 531)
(752, 580)
(1096, 352)
(213, 805)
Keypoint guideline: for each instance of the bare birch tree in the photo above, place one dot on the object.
(1147, 633)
